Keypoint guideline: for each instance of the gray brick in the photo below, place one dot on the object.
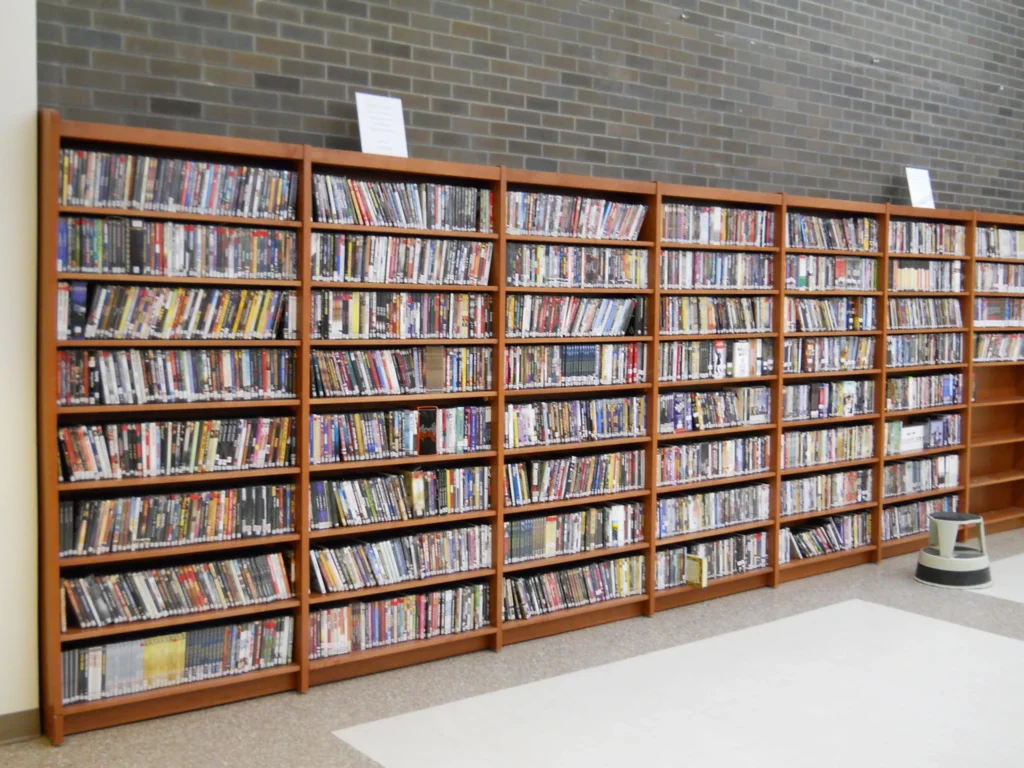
(278, 83)
(92, 38)
(175, 107)
(203, 17)
(387, 48)
(235, 41)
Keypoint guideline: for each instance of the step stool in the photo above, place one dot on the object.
(944, 563)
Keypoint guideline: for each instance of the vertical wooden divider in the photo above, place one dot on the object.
(499, 268)
(778, 323)
(652, 230)
(967, 312)
(881, 363)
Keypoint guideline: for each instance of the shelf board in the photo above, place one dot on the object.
(796, 250)
(369, 229)
(1001, 294)
(73, 635)
(713, 582)
(1002, 515)
(846, 553)
(832, 374)
(530, 450)
(591, 608)
(418, 397)
(712, 532)
(1019, 399)
(202, 218)
(891, 501)
(397, 525)
(437, 458)
(892, 413)
(737, 336)
(792, 519)
(397, 648)
(997, 478)
(828, 466)
(201, 477)
(447, 287)
(402, 586)
(815, 334)
(999, 259)
(997, 437)
(725, 381)
(909, 331)
(903, 540)
(996, 363)
(669, 245)
(926, 452)
(796, 293)
(923, 368)
(895, 294)
(577, 339)
(587, 291)
(593, 554)
(401, 342)
(171, 343)
(829, 420)
(670, 436)
(209, 405)
(585, 390)
(152, 553)
(734, 478)
(719, 292)
(243, 282)
(929, 256)
(581, 501)
(578, 241)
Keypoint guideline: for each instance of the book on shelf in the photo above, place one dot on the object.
(403, 558)
(350, 258)
(125, 246)
(572, 477)
(552, 215)
(849, 314)
(552, 591)
(911, 392)
(175, 185)
(96, 672)
(839, 233)
(716, 314)
(693, 462)
(918, 475)
(923, 275)
(393, 497)
(544, 265)
(832, 490)
(362, 626)
(992, 312)
(554, 422)
(588, 529)
(828, 354)
(922, 433)
(924, 349)
(113, 311)
(135, 523)
(150, 376)
(999, 242)
(914, 518)
(828, 399)
(998, 347)
(716, 270)
(674, 566)
(813, 447)
(366, 435)
(411, 205)
(343, 314)
(169, 448)
(998, 278)
(805, 272)
(927, 237)
(924, 313)
(180, 590)
(575, 365)
(838, 533)
(719, 359)
(529, 316)
(414, 370)
(694, 411)
(696, 512)
(697, 224)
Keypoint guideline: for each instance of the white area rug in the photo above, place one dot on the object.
(852, 684)
(1007, 583)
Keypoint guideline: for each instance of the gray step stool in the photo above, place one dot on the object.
(944, 563)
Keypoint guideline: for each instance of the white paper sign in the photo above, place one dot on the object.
(381, 125)
(920, 184)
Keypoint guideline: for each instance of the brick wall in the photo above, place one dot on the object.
(819, 97)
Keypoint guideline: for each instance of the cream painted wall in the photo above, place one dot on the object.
(19, 676)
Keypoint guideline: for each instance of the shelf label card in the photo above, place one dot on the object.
(920, 183)
(381, 125)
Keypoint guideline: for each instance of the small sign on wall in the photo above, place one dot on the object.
(920, 183)
(381, 125)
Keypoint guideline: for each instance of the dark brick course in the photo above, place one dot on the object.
(818, 97)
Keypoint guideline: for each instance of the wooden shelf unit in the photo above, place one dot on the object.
(992, 447)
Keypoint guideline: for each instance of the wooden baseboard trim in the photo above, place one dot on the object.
(19, 726)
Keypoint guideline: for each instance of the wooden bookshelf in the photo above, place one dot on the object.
(991, 449)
